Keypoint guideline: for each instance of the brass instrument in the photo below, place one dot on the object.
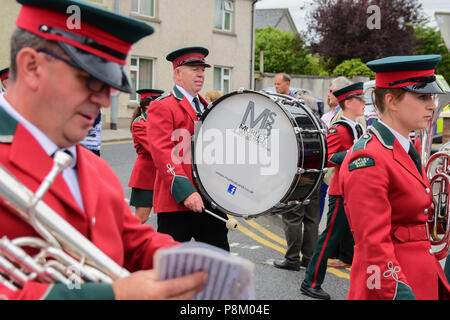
(65, 255)
(438, 173)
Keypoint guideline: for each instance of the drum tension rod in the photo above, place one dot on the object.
(302, 171)
(301, 130)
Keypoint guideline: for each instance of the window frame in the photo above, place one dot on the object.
(137, 69)
(224, 11)
(223, 78)
(139, 13)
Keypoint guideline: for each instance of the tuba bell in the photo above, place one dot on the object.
(438, 173)
(64, 254)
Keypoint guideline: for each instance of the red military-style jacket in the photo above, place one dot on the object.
(340, 138)
(107, 220)
(171, 122)
(387, 202)
(144, 171)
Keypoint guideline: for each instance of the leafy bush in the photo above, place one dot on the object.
(353, 67)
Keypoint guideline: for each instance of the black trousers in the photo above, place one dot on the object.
(186, 225)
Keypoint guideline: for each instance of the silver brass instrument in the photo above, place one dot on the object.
(438, 173)
(65, 255)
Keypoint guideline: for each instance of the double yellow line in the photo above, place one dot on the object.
(278, 241)
(109, 143)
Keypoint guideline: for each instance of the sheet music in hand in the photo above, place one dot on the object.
(230, 277)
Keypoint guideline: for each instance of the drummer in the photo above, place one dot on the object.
(177, 203)
(340, 138)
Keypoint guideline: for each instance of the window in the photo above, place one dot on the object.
(143, 7)
(222, 77)
(141, 74)
(224, 15)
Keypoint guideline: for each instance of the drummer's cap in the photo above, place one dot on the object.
(412, 73)
(355, 90)
(4, 74)
(192, 56)
(98, 42)
(149, 93)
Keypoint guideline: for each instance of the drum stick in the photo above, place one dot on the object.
(231, 224)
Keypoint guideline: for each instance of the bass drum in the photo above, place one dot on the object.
(257, 154)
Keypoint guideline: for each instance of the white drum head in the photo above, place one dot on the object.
(241, 168)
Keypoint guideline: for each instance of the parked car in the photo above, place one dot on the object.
(299, 92)
(440, 123)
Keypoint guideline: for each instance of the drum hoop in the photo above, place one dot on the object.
(322, 137)
(299, 139)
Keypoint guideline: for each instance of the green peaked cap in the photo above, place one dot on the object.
(353, 90)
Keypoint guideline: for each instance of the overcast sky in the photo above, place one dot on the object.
(430, 6)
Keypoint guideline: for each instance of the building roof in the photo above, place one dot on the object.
(275, 18)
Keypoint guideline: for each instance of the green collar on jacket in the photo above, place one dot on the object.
(383, 134)
(8, 126)
(177, 93)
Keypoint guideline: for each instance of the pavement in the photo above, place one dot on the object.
(121, 134)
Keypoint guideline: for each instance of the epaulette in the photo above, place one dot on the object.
(362, 142)
(363, 161)
(164, 96)
(345, 123)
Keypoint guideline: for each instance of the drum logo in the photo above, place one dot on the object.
(266, 118)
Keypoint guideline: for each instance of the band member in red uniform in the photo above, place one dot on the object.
(340, 138)
(59, 80)
(171, 119)
(387, 196)
(4, 78)
(144, 172)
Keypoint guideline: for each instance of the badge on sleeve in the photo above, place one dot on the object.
(333, 130)
(361, 162)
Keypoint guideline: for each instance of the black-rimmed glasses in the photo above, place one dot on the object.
(93, 84)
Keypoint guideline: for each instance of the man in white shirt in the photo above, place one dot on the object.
(282, 83)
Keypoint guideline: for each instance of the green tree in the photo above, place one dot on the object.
(429, 41)
(283, 52)
(353, 67)
(339, 30)
(316, 66)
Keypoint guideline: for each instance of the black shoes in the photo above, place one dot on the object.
(284, 264)
(317, 292)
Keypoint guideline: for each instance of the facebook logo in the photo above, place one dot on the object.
(232, 189)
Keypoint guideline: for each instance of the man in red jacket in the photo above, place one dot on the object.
(171, 121)
(59, 80)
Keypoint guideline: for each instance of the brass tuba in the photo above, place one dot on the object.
(64, 254)
(438, 173)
